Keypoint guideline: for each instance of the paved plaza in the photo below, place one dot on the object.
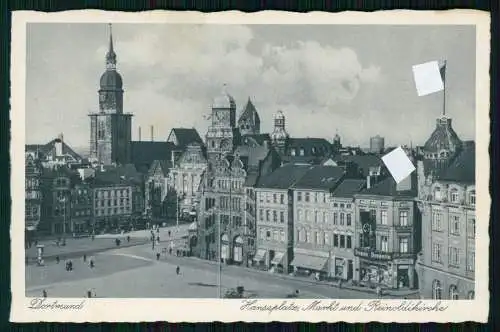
(135, 272)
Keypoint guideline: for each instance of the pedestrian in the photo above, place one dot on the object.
(91, 263)
(177, 270)
(70, 265)
(169, 233)
(128, 238)
(89, 293)
(84, 258)
(57, 259)
(170, 251)
(44, 293)
(157, 256)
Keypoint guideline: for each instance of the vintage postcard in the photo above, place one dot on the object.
(273, 166)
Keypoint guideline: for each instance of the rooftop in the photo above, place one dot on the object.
(463, 168)
(283, 177)
(349, 187)
(388, 187)
(320, 177)
(184, 136)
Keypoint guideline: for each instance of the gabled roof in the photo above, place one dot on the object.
(320, 177)
(163, 165)
(463, 168)
(317, 147)
(122, 175)
(144, 153)
(283, 177)
(46, 149)
(250, 113)
(349, 187)
(184, 136)
(257, 138)
(364, 162)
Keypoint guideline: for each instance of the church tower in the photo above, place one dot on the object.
(222, 135)
(279, 136)
(110, 128)
(249, 121)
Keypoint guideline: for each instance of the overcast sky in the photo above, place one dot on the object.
(354, 79)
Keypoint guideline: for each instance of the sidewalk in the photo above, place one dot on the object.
(345, 285)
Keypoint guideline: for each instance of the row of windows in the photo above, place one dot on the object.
(229, 184)
(453, 294)
(272, 198)
(301, 151)
(312, 197)
(403, 244)
(112, 193)
(104, 212)
(325, 217)
(82, 213)
(32, 183)
(320, 238)
(454, 256)
(455, 196)
(113, 202)
(271, 215)
(236, 220)
(31, 211)
(234, 203)
(278, 236)
(455, 227)
(383, 220)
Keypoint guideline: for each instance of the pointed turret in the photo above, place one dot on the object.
(249, 122)
(110, 55)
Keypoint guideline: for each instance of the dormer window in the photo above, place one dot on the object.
(313, 150)
(472, 198)
(302, 151)
(454, 196)
(292, 152)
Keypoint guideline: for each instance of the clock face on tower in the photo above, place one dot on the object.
(222, 118)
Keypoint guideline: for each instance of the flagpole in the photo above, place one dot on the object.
(444, 87)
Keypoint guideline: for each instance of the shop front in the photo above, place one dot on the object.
(278, 262)
(307, 264)
(394, 274)
(259, 260)
(225, 248)
(238, 250)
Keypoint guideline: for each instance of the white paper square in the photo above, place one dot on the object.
(427, 78)
(398, 164)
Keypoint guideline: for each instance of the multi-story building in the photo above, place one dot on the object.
(156, 189)
(32, 194)
(56, 184)
(313, 220)
(274, 208)
(110, 127)
(117, 197)
(447, 200)
(56, 153)
(387, 234)
(185, 178)
(81, 207)
(342, 227)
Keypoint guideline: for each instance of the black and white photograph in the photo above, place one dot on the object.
(252, 161)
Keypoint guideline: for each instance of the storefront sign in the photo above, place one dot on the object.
(373, 254)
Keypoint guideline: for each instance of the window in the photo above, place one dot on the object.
(324, 198)
(261, 214)
(325, 217)
(282, 217)
(335, 218)
(436, 221)
(342, 241)
(299, 196)
(302, 235)
(292, 152)
(268, 197)
(261, 197)
(318, 238)
(335, 240)
(384, 243)
(454, 196)
(308, 215)
(299, 215)
(307, 198)
(472, 198)
(282, 199)
(470, 295)
(453, 292)
(335, 204)
(348, 242)
(275, 198)
(276, 236)
(471, 261)
(348, 206)
(308, 236)
(403, 244)
(268, 213)
(342, 216)
(268, 235)
(282, 234)
(342, 205)
(437, 249)
(383, 217)
(471, 228)
(348, 219)
(301, 151)
(454, 256)
(316, 216)
(403, 218)
(275, 216)
(455, 225)
(436, 290)
(373, 215)
(326, 238)
(437, 194)
(316, 197)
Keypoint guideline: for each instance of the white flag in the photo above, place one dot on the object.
(428, 77)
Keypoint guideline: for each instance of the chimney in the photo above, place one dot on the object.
(140, 134)
(59, 145)
(152, 134)
(368, 182)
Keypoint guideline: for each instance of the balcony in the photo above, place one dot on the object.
(403, 228)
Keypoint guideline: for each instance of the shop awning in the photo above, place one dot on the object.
(278, 258)
(261, 254)
(315, 263)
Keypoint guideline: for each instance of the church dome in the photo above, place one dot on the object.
(279, 116)
(111, 79)
(443, 138)
(224, 100)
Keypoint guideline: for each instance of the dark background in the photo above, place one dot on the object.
(7, 6)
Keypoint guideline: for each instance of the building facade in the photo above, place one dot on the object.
(313, 220)
(110, 128)
(32, 192)
(447, 201)
(156, 189)
(387, 234)
(81, 207)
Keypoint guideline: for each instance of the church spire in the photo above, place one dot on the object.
(110, 55)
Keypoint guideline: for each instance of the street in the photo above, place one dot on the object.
(135, 272)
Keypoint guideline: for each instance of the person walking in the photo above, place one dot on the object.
(177, 270)
(44, 293)
(89, 293)
(91, 263)
(57, 259)
(157, 256)
(84, 258)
